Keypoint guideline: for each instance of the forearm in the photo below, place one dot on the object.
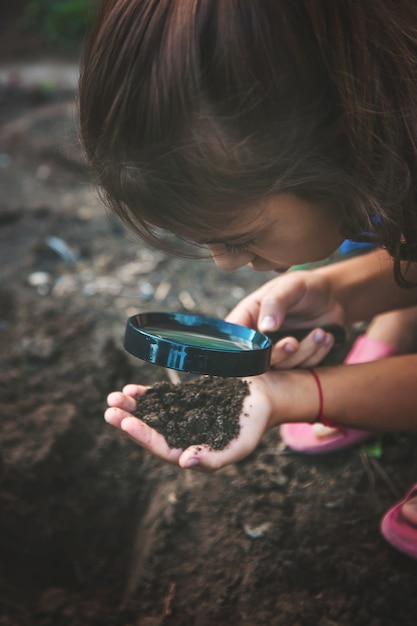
(365, 285)
(378, 396)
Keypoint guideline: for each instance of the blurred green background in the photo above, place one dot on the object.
(60, 21)
(36, 25)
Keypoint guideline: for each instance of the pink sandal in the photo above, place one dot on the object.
(398, 531)
(317, 439)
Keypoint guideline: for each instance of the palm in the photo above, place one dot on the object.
(254, 420)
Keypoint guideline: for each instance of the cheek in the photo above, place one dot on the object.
(317, 247)
(304, 247)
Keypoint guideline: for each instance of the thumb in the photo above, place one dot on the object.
(271, 315)
(201, 457)
(283, 296)
(208, 460)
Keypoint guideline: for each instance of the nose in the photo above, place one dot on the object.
(258, 264)
(229, 261)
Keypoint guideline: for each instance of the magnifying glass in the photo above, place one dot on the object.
(205, 345)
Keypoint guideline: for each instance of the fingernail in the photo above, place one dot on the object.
(329, 340)
(191, 463)
(318, 336)
(289, 348)
(267, 323)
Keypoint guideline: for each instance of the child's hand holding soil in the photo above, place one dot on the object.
(209, 423)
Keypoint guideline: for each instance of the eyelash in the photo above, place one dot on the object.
(239, 247)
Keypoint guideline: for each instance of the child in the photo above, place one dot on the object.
(270, 132)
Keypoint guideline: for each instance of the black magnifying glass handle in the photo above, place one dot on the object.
(339, 333)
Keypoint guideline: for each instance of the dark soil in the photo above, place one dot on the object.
(95, 531)
(204, 411)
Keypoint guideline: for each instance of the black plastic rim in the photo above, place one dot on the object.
(142, 342)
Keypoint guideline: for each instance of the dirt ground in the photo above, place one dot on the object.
(95, 531)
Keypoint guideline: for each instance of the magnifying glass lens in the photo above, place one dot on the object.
(200, 340)
(197, 344)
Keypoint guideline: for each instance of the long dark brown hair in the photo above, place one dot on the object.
(191, 110)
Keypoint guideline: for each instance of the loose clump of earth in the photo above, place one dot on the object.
(205, 411)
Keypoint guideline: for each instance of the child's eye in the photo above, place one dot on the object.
(238, 247)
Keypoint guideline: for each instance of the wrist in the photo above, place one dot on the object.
(293, 396)
(321, 417)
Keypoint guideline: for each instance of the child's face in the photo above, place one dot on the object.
(280, 233)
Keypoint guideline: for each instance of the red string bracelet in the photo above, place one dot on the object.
(320, 415)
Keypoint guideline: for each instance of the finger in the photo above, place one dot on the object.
(245, 313)
(283, 352)
(115, 415)
(273, 308)
(316, 358)
(121, 401)
(134, 390)
(150, 439)
(288, 353)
